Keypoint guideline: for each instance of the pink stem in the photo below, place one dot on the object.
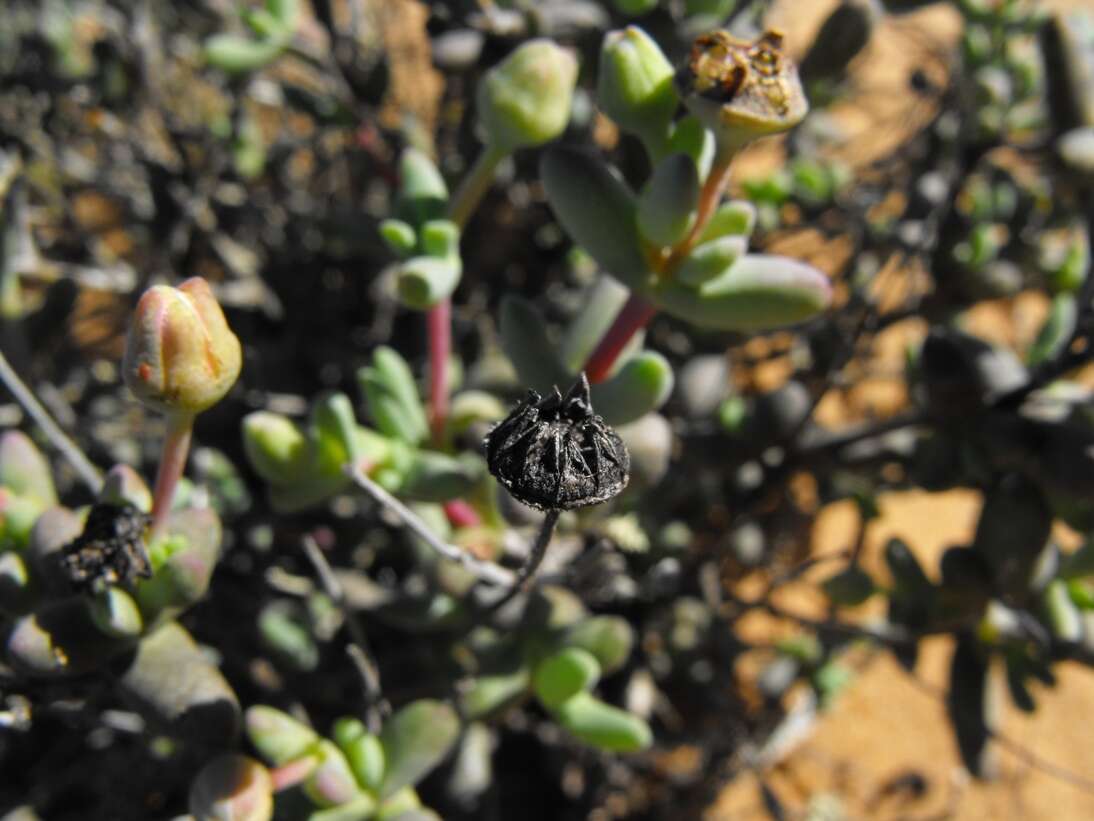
(632, 317)
(176, 447)
(439, 325)
(293, 773)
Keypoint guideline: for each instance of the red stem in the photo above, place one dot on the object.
(637, 313)
(632, 317)
(439, 325)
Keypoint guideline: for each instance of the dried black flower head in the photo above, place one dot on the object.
(110, 550)
(555, 453)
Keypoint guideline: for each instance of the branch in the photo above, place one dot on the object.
(484, 571)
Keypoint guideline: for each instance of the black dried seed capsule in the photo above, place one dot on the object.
(109, 551)
(555, 453)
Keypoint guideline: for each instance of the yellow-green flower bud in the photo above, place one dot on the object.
(634, 85)
(180, 354)
(525, 100)
(742, 90)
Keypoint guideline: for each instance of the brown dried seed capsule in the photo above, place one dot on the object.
(109, 551)
(555, 453)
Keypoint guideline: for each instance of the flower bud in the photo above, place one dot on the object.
(634, 85)
(180, 354)
(742, 90)
(525, 100)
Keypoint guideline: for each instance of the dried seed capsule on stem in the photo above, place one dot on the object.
(554, 453)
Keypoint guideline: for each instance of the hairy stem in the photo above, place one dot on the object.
(176, 447)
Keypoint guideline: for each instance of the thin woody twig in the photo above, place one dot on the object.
(484, 571)
(88, 473)
(357, 649)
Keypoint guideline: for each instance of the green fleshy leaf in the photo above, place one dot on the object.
(710, 260)
(642, 385)
(361, 808)
(760, 291)
(275, 447)
(284, 628)
(365, 755)
(332, 783)
(599, 306)
(392, 396)
(734, 218)
(399, 236)
(524, 340)
(563, 675)
(423, 195)
(597, 210)
(124, 486)
(425, 281)
(181, 577)
(492, 692)
(239, 55)
(441, 238)
(1062, 614)
(17, 517)
(416, 739)
(278, 737)
(608, 638)
(24, 470)
(431, 476)
(666, 206)
(603, 726)
(691, 137)
(116, 614)
(179, 690)
(1057, 330)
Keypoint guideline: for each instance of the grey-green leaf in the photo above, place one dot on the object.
(416, 739)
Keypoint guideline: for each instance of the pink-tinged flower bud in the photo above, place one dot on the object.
(180, 354)
(232, 787)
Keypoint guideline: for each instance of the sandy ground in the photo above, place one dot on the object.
(889, 728)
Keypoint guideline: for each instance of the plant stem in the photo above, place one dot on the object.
(439, 317)
(357, 648)
(475, 185)
(637, 313)
(439, 327)
(632, 317)
(87, 472)
(176, 447)
(486, 571)
(535, 559)
(709, 199)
